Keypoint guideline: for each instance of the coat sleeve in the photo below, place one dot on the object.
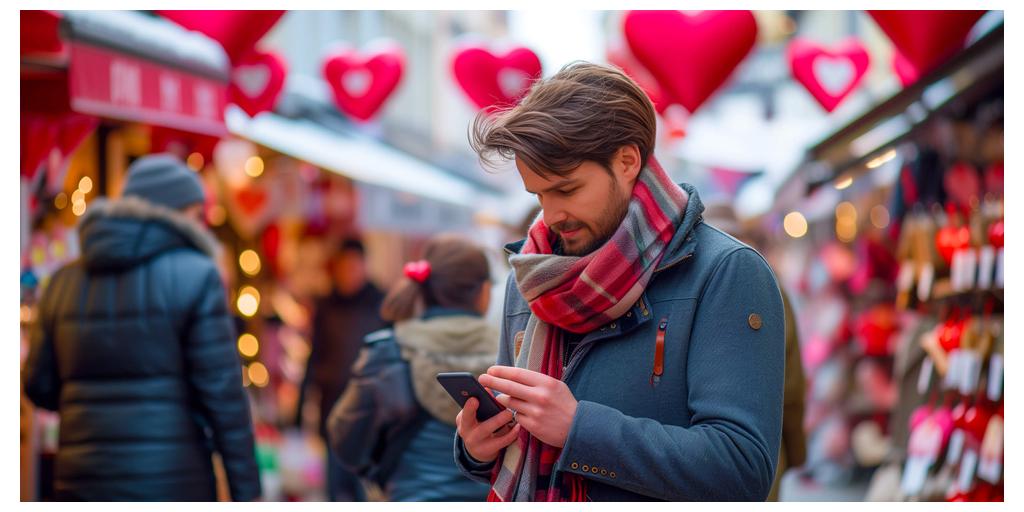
(213, 369)
(735, 379)
(353, 427)
(472, 468)
(40, 378)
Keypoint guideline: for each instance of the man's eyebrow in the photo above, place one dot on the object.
(558, 184)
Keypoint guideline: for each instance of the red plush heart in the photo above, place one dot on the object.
(620, 56)
(491, 80)
(829, 74)
(995, 234)
(950, 239)
(251, 200)
(926, 38)
(236, 31)
(962, 183)
(257, 81)
(363, 81)
(949, 334)
(976, 421)
(690, 56)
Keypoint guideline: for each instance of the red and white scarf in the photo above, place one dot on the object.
(581, 294)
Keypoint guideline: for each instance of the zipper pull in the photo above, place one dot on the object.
(659, 352)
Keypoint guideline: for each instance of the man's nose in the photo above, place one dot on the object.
(553, 214)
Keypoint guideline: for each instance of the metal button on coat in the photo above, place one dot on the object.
(586, 468)
(754, 320)
(594, 470)
(575, 465)
(612, 474)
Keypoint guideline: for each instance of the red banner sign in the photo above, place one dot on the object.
(110, 84)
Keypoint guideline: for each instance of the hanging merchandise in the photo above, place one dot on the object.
(362, 81)
(257, 81)
(494, 77)
(691, 56)
(926, 38)
(829, 74)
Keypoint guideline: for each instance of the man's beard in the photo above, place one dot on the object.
(609, 221)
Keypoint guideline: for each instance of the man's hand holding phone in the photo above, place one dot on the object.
(485, 440)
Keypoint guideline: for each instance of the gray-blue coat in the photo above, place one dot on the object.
(710, 427)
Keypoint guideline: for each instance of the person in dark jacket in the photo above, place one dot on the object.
(135, 349)
(642, 349)
(394, 423)
(340, 321)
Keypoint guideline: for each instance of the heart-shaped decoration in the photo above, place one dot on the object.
(251, 200)
(363, 81)
(829, 74)
(995, 234)
(926, 38)
(691, 56)
(418, 271)
(620, 56)
(257, 81)
(237, 31)
(950, 239)
(495, 80)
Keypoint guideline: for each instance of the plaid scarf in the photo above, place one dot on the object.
(580, 294)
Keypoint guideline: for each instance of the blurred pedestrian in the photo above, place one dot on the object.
(395, 423)
(135, 349)
(793, 451)
(642, 350)
(340, 321)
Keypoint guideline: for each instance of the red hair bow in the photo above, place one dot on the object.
(418, 271)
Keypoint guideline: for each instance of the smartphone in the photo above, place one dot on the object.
(462, 385)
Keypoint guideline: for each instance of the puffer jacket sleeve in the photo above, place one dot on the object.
(353, 427)
(213, 369)
(39, 375)
(735, 378)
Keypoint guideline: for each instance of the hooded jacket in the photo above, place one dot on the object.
(135, 349)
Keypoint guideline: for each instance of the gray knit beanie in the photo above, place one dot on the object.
(163, 179)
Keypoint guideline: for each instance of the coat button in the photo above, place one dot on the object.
(612, 325)
(586, 468)
(612, 474)
(629, 314)
(594, 470)
(604, 471)
(754, 320)
(575, 465)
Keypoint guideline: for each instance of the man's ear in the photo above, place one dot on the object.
(627, 162)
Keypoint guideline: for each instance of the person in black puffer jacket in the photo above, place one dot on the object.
(394, 424)
(135, 349)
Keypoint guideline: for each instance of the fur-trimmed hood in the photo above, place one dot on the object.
(457, 343)
(129, 231)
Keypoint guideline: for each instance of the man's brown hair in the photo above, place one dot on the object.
(584, 112)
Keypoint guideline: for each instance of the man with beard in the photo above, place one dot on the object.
(642, 350)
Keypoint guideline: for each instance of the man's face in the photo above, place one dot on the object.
(349, 272)
(584, 207)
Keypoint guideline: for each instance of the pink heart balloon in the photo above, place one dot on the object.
(257, 81)
(363, 81)
(236, 31)
(829, 85)
(494, 81)
(620, 56)
(690, 56)
(926, 38)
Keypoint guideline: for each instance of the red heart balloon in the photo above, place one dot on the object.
(257, 81)
(926, 38)
(829, 74)
(690, 56)
(492, 81)
(620, 56)
(236, 31)
(251, 200)
(363, 81)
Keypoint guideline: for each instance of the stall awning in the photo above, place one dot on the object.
(355, 156)
(130, 66)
